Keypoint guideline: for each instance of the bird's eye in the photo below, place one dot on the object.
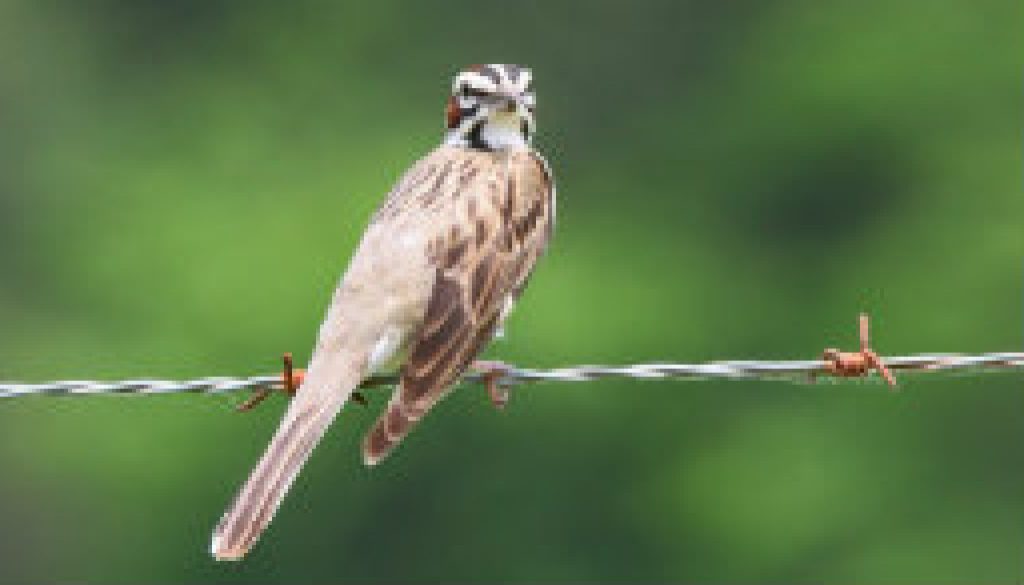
(468, 91)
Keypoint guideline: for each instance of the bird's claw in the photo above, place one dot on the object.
(493, 373)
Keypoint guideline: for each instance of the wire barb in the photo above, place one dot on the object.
(291, 379)
(857, 364)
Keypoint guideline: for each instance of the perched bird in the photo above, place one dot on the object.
(440, 266)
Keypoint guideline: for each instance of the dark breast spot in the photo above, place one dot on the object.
(537, 160)
(480, 283)
(510, 196)
(435, 190)
(455, 254)
(534, 215)
(495, 195)
(416, 178)
(481, 231)
(468, 176)
(525, 225)
(509, 202)
(434, 249)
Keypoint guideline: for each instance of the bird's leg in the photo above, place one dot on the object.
(493, 373)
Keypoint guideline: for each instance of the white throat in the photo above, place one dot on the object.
(501, 132)
(501, 136)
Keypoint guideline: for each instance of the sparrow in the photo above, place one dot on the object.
(439, 267)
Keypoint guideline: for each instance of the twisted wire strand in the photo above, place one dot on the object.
(792, 370)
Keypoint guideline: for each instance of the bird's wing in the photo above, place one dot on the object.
(502, 221)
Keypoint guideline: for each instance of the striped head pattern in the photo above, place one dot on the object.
(491, 108)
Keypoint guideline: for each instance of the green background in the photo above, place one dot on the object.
(181, 184)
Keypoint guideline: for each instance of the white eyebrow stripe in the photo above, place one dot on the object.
(474, 80)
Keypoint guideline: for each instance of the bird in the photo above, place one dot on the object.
(439, 267)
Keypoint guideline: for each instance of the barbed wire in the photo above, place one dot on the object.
(793, 370)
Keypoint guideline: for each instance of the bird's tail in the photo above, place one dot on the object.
(326, 387)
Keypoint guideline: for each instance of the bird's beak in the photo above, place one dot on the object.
(507, 101)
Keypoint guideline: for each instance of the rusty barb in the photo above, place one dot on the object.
(291, 379)
(857, 364)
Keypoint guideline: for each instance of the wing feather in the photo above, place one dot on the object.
(502, 218)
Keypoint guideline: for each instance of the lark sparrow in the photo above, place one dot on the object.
(437, 271)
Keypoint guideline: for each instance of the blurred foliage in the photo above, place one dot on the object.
(181, 184)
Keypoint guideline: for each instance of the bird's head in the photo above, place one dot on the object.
(491, 107)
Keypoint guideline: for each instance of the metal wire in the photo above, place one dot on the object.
(797, 371)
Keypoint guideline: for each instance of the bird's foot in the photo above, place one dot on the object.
(493, 374)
